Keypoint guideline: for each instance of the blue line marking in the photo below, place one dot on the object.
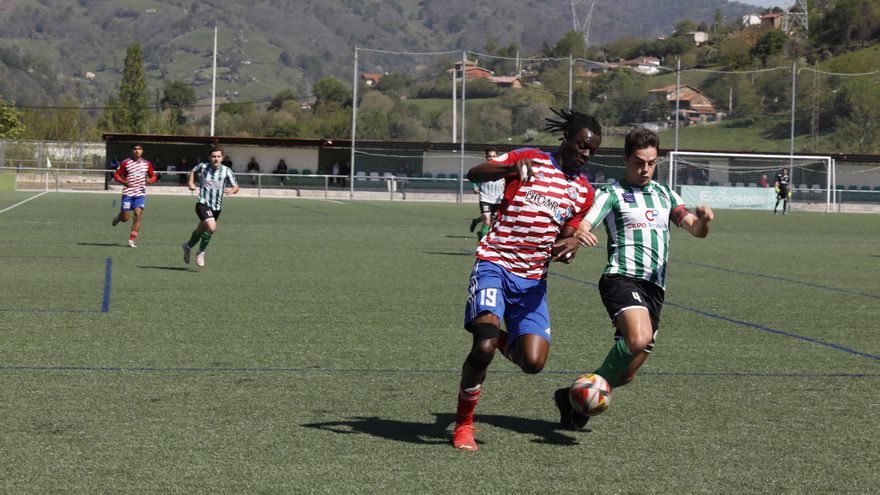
(108, 271)
(781, 279)
(118, 369)
(747, 324)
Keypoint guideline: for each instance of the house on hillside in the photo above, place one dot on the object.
(692, 103)
(772, 20)
(472, 70)
(507, 81)
(372, 79)
(750, 20)
(698, 37)
(645, 65)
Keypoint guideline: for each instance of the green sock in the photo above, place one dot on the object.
(615, 364)
(206, 238)
(484, 230)
(193, 239)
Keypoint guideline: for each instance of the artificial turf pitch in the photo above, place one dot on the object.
(319, 352)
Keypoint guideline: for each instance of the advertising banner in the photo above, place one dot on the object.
(749, 198)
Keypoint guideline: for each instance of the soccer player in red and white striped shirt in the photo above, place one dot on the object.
(545, 197)
(134, 174)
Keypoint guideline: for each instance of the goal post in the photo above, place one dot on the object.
(745, 180)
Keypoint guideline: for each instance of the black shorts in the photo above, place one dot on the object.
(783, 193)
(488, 208)
(205, 213)
(619, 293)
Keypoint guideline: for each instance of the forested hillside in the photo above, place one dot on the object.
(72, 50)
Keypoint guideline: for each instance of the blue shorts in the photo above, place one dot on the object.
(131, 202)
(521, 303)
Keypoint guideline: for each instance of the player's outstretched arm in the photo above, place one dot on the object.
(585, 236)
(697, 222)
(491, 170)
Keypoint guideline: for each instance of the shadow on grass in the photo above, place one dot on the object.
(440, 432)
(172, 268)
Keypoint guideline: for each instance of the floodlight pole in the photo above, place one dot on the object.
(570, 65)
(677, 99)
(461, 159)
(793, 105)
(454, 103)
(354, 106)
(214, 82)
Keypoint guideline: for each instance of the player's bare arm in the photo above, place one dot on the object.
(697, 222)
(566, 245)
(489, 171)
(191, 180)
(231, 190)
(585, 236)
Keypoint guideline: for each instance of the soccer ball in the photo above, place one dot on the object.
(590, 394)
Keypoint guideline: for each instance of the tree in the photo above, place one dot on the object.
(133, 112)
(330, 94)
(571, 43)
(177, 97)
(279, 99)
(858, 115)
(395, 84)
(734, 51)
(10, 121)
(769, 43)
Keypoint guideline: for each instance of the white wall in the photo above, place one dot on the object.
(296, 158)
(449, 162)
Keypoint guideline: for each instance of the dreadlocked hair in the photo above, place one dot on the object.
(572, 122)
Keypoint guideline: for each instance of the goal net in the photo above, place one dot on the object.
(740, 180)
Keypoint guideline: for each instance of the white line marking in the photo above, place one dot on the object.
(23, 202)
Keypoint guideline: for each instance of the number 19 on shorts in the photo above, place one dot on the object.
(488, 297)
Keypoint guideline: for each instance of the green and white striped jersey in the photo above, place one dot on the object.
(212, 183)
(637, 223)
(491, 192)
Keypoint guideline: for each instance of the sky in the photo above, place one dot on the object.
(770, 3)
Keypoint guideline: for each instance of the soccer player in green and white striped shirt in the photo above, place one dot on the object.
(636, 213)
(491, 193)
(216, 180)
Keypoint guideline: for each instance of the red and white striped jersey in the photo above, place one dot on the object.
(136, 172)
(532, 214)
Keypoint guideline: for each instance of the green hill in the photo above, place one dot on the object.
(75, 49)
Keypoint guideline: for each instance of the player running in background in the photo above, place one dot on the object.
(134, 174)
(636, 213)
(216, 180)
(783, 191)
(545, 198)
(490, 197)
